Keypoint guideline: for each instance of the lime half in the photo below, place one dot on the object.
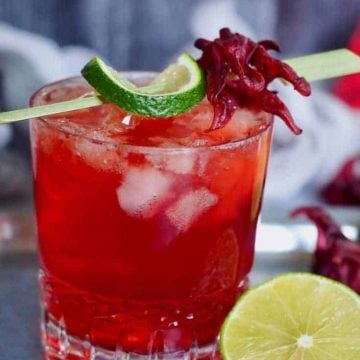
(294, 317)
(175, 90)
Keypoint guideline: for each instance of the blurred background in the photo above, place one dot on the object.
(45, 40)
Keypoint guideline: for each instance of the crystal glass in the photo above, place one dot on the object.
(146, 227)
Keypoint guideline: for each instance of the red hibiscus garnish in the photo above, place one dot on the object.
(344, 189)
(335, 256)
(238, 72)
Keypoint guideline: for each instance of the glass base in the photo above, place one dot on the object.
(59, 345)
(81, 325)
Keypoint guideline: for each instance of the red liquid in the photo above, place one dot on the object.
(144, 248)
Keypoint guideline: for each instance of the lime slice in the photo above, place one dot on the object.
(294, 317)
(175, 90)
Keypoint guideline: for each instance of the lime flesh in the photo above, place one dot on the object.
(175, 90)
(294, 317)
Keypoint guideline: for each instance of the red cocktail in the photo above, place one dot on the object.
(146, 226)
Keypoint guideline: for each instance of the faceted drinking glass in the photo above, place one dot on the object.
(146, 227)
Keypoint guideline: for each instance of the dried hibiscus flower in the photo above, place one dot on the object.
(335, 256)
(344, 189)
(238, 72)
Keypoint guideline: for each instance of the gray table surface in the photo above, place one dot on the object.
(19, 311)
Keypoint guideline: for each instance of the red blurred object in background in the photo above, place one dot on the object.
(348, 87)
(344, 188)
(336, 256)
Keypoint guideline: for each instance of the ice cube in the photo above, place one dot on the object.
(202, 162)
(100, 156)
(163, 141)
(188, 209)
(143, 191)
(179, 163)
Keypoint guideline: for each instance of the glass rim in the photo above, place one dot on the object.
(131, 75)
